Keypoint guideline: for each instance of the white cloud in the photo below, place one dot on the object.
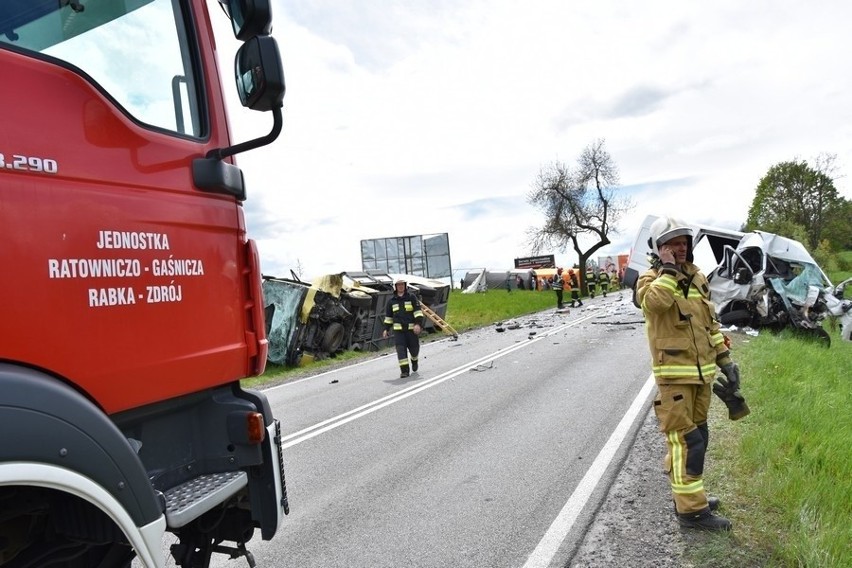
(403, 117)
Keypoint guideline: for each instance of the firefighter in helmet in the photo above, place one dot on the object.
(574, 286)
(591, 280)
(404, 316)
(603, 282)
(686, 347)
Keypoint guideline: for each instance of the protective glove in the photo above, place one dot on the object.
(731, 396)
(732, 372)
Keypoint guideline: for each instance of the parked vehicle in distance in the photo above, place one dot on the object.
(757, 279)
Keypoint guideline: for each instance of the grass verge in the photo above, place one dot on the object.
(469, 311)
(785, 471)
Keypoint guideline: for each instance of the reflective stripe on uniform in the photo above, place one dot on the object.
(673, 371)
(679, 485)
(666, 281)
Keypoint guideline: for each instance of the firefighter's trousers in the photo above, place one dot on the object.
(406, 342)
(682, 413)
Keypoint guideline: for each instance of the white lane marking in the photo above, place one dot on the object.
(381, 357)
(543, 554)
(341, 419)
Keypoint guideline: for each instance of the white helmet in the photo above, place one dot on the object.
(665, 229)
(400, 281)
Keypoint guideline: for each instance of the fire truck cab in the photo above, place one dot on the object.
(130, 295)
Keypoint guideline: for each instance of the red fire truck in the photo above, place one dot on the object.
(130, 295)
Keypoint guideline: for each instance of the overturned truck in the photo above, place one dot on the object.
(758, 279)
(336, 312)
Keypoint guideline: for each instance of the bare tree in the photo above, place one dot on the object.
(577, 203)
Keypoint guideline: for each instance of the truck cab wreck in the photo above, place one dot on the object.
(759, 280)
(309, 321)
(131, 301)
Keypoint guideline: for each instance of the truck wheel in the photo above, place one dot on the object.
(333, 337)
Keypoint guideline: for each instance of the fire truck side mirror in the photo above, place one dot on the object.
(249, 18)
(259, 74)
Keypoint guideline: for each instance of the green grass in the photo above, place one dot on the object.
(469, 311)
(844, 272)
(279, 373)
(785, 470)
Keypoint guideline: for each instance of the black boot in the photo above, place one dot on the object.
(713, 503)
(704, 520)
(414, 366)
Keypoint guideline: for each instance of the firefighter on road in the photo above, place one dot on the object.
(404, 316)
(686, 346)
(574, 286)
(591, 281)
(603, 282)
(557, 287)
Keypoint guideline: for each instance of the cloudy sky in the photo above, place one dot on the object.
(420, 117)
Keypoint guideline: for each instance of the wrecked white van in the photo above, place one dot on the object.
(757, 279)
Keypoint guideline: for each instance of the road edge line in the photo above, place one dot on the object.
(547, 548)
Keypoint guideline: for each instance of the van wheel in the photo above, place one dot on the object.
(736, 317)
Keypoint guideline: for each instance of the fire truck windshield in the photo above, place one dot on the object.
(132, 49)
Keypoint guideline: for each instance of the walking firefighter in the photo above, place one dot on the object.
(591, 281)
(404, 316)
(574, 287)
(603, 282)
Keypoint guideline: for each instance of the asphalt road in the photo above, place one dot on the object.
(496, 454)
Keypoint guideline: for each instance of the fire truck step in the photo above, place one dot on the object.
(193, 498)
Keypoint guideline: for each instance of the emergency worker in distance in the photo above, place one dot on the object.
(591, 281)
(557, 287)
(404, 316)
(603, 282)
(574, 286)
(686, 347)
(613, 281)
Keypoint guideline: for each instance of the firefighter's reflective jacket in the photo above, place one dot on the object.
(686, 344)
(556, 284)
(403, 312)
(591, 279)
